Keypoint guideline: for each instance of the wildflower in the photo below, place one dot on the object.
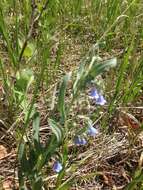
(101, 100)
(94, 94)
(80, 141)
(92, 131)
(57, 167)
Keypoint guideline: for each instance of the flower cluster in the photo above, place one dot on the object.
(97, 96)
(91, 130)
(80, 141)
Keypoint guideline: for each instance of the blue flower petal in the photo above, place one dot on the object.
(57, 167)
(94, 94)
(92, 131)
(80, 141)
(101, 100)
(83, 141)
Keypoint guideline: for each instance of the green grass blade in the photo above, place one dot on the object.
(4, 32)
(56, 130)
(61, 98)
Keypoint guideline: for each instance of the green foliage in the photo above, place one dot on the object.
(24, 79)
(36, 125)
(136, 183)
(61, 98)
(29, 50)
(90, 70)
(5, 33)
(56, 130)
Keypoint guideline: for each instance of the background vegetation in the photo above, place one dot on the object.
(53, 53)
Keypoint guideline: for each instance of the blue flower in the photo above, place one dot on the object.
(101, 100)
(92, 131)
(57, 167)
(94, 94)
(80, 141)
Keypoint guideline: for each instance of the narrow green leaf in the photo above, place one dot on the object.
(5, 34)
(29, 50)
(37, 183)
(56, 129)
(99, 68)
(48, 151)
(24, 78)
(136, 182)
(36, 124)
(61, 98)
(24, 163)
(89, 71)
(67, 184)
(64, 186)
(83, 73)
(21, 151)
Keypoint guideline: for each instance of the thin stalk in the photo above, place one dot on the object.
(31, 27)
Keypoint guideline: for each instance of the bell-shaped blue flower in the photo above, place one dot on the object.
(94, 94)
(101, 100)
(57, 167)
(92, 131)
(80, 141)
